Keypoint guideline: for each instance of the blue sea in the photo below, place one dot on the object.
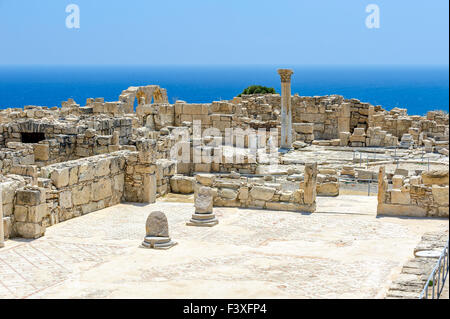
(419, 89)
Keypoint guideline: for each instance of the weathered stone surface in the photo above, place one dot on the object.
(399, 197)
(65, 199)
(228, 193)
(182, 184)
(397, 181)
(401, 210)
(203, 200)
(328, 189)
(29, 230)
(440, 195)
(157, 225)
(41, 152)
(60, 177)
(29, 197)
(262, 193)
(101, 189)
(81, 195)
(205, 179)
(310, 183)
(436, 177)
(86, 172)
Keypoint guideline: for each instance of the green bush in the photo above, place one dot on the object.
(257, 89)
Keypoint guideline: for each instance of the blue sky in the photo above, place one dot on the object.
(321, 32)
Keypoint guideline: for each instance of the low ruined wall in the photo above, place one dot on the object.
(82, 186)
(241, 192)
(420, 196)
(16, 154)
(8, 188)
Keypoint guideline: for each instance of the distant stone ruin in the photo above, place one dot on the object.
(58, 163)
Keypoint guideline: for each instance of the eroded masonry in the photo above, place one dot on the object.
(58, 163)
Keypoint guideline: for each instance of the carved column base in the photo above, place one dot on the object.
(158, 242)
(203, 220)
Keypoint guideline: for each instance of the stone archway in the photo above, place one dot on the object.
(151, 93)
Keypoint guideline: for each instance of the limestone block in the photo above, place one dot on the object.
(303, 128)
(60, 177)
(73, 175)
(400, 198)
(262, 193)
(228, 193)
(243, 193)
(328, 189)
(205, 179)
(65, 199)
(357, 139)
(81, 195)
(328, 171)
(437, 177)
(359, 132)
(8, 192)
(415, 180)
(30, 197)
(401, 210)
(150, 188)
(206, 168)
(102, 167)
(101, 189)
(440, 195)
(397, 181)
(29, 230)
(37, 213)
(182, 184)
(20, 213)
(86, 172)
(283, 206)
(298, 196)
(41, 152)
(401, 171)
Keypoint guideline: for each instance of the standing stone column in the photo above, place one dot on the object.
(382, 186)
(310, 182)
(2, 233)
(286, 109)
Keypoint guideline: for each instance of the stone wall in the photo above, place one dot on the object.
(419, 196)
(75, 188)
(237, 191)
(8, 186)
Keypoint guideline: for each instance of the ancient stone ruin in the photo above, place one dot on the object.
(58, 163)
(157, 232)
(203, 215)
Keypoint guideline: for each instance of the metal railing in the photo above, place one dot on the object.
(436, 281)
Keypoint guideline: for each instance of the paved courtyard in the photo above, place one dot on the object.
(341, 251)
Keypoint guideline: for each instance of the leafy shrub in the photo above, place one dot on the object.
(257, 89)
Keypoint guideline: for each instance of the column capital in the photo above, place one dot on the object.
(285, 74)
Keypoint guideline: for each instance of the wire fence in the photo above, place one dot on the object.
(436, 281)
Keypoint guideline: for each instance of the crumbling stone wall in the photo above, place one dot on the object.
(8, 186)
(241, 192)
(420, 196)
(78, 187)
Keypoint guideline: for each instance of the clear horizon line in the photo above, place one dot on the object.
(224, 65)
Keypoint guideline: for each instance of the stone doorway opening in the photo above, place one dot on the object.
(32, 137)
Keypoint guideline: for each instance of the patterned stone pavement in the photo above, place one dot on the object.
(341, 251)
